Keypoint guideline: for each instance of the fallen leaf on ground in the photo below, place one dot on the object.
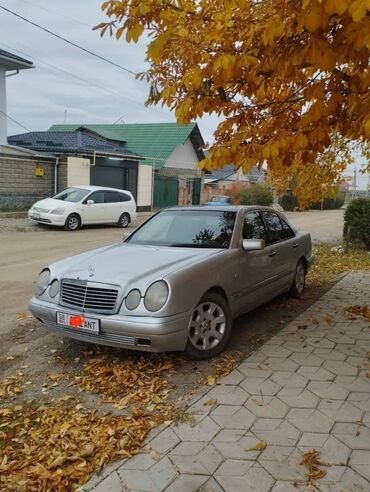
(353, 312)
(310, 460)
(209, 403)
(259, 446)
(155, 455)
(211, 380)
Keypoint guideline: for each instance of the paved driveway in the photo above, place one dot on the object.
(307, 388)
(324, 226)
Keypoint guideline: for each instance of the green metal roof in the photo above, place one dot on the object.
(155, 141)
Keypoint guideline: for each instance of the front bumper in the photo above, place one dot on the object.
(146, 333)
(51, 219)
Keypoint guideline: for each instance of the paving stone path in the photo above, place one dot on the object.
(307, 387)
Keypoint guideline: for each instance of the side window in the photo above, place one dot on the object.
(124, 197)
(98, 197)
(287, 231)
(111, 197)
(275, 228)
(254, 228)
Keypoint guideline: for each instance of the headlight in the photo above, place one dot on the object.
(58, 211)
(133, 299)
(54, 288)
(42, 282)
(156, 296)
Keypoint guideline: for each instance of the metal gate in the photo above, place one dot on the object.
(166, 191)
(197, 186)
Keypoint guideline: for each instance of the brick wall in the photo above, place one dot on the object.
(20, 187)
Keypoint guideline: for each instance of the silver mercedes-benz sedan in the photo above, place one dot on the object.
(177, 282)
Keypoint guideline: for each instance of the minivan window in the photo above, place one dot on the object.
(111, 197)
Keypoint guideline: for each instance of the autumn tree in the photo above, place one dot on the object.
(288, 78)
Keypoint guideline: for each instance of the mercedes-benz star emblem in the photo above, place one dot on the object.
(91, 271)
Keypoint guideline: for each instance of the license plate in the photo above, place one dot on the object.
(36, 215)
(78, 322)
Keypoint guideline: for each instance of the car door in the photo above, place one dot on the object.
(93, 213)
(282, 246)
(253, 276)
(112, 206)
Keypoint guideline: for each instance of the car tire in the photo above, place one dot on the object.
(124, 220)
(299, 281)
(210, 317)
(73, 222)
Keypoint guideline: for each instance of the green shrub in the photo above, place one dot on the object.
(331, 203)
(357, 222)
(257, 194)
(288, 201)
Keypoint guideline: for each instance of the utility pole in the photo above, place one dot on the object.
(354, 184)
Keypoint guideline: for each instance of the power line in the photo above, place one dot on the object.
(15, 121)
(55, 13)
(67, 41)
(77, 77)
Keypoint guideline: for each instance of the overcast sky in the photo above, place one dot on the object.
(46, 95)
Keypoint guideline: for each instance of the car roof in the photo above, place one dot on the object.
(97, 188)
(221, 208)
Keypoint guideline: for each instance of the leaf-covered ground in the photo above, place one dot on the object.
(67, 409)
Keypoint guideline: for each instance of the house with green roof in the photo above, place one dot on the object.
(173, 152)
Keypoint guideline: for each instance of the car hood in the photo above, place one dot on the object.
(129, 265)
(52, 203)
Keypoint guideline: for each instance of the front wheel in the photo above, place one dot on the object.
(72, 223)
(210, 327)
(299, 282)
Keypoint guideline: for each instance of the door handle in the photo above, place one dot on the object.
(295, 245)
(273, 253)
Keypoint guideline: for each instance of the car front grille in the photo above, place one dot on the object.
(96, 298)
(42, 210)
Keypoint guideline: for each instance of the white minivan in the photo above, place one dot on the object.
(82, 205)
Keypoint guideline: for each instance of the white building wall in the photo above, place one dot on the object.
(78, 171)
(183, 157)
(3, 120)
(145, 184)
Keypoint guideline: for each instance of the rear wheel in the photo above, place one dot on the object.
(73, 222)
(124, 220)
(209, 328)
(299, 282)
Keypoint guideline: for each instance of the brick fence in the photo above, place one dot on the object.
(19, 185)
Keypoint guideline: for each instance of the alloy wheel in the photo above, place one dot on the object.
(207, 326)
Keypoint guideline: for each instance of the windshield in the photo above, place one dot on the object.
(72, 195)
(187, 228)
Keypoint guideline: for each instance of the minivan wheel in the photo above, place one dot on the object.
(124, 220)
(72, 223)
(299, 282)
(209, 328)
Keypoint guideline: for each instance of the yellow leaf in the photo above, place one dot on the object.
(336, 6)
(358, 9)
(155, 455)
(259, 446)
(209, 403)
(367, 127)
(211, 380)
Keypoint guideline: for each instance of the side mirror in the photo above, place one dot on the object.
(125, 236)
(253, 244)
(90, 202)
